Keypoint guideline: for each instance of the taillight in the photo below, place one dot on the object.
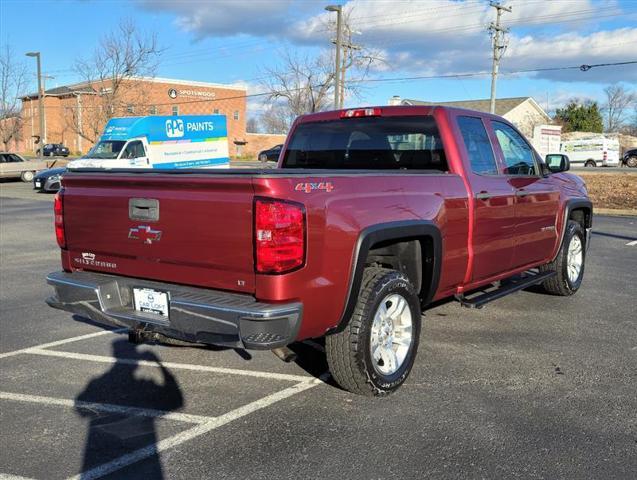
(605, 155)
(58, 210)
(361, 112)
(279, 229)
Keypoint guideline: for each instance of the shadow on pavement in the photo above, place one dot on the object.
(111, 435)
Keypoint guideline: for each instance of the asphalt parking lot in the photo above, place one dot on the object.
(532, 386)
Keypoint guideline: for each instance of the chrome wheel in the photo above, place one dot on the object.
(574, 259)
(391, 334)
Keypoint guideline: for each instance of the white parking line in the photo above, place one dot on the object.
(178, 439)
(171, 365)
(61, 342)
(631, 244)
(8, 476)
(106, 407)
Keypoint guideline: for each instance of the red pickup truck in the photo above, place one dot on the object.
(370, 216)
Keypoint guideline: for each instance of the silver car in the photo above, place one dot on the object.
(13, 165)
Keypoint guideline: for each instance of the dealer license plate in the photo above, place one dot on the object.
(151, 301)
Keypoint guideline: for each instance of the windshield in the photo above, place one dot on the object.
(387, 143)
(107, 149)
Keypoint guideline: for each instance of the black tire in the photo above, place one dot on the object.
(561, 284)
(348, 352)
(590, 163)
(631, 162)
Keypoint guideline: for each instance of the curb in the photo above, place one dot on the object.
(616, 212)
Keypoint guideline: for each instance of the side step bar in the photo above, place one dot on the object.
(512, 285)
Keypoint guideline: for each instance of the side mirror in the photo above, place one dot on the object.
(557, 162)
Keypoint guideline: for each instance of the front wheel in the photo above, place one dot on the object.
(631, 162)
(569, 263)
(375, 352)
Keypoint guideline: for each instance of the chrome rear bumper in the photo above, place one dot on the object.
(195, 314)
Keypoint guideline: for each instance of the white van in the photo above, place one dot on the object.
(180, 141)
(592, 152)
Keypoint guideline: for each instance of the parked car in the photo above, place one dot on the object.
(271, 155)
(630, 158)
(13, 165)
(54, 150)
(597, 151)
(372, 214)
(49, 180)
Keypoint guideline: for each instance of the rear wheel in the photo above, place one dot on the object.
(375, 352)
(569, 263)
(27, 176)
(590, 163)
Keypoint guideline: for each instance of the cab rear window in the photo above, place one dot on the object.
(376, 143)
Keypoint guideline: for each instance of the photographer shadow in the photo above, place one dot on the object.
(112, 434)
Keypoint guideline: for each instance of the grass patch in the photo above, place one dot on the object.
(610, 190)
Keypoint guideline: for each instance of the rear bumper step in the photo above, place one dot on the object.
(195, 314)
(510, 286)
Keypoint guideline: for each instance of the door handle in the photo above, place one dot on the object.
(521, 193)
(484, 195)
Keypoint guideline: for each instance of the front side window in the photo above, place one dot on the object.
(134, 150)
(379, 143)
(476, 141)
(14, 158)
(518, 155)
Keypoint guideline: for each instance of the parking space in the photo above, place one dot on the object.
(532, 386)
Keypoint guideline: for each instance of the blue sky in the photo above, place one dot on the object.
(229, 41)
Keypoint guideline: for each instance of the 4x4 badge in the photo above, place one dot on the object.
(144, 233)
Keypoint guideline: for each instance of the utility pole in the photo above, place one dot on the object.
(348, 47)
(499, 46)
(337, 70)
(40, 101)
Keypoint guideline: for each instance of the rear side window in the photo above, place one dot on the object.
(378, 143)
(478, 146)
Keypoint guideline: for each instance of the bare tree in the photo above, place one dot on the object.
(121, 56)
(277, 118)
(300, 84)
(13, 82)
(618, 101)
(252, 125)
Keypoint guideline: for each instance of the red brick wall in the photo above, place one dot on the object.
(261, 141)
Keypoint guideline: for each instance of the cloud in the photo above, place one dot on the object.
(225, 17)
(442, 37)
(436, 37)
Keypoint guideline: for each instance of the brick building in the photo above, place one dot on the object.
(75, 114)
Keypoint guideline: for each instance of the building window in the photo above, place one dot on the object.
(235, 115)
(176, 110)
(153, 110)
(130, 108)
(216, 111)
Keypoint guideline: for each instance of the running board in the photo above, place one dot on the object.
(512, 285)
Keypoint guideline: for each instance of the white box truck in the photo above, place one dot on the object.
(597, 151)
(180, 141)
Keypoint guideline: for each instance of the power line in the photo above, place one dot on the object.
(583, 68)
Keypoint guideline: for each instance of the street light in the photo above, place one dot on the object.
(40, 102)
(337, 71)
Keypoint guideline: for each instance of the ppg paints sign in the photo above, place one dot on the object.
(174, 93)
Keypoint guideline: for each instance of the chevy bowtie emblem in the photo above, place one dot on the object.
(145, 234)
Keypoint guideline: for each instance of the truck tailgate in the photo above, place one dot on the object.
(202, 235)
